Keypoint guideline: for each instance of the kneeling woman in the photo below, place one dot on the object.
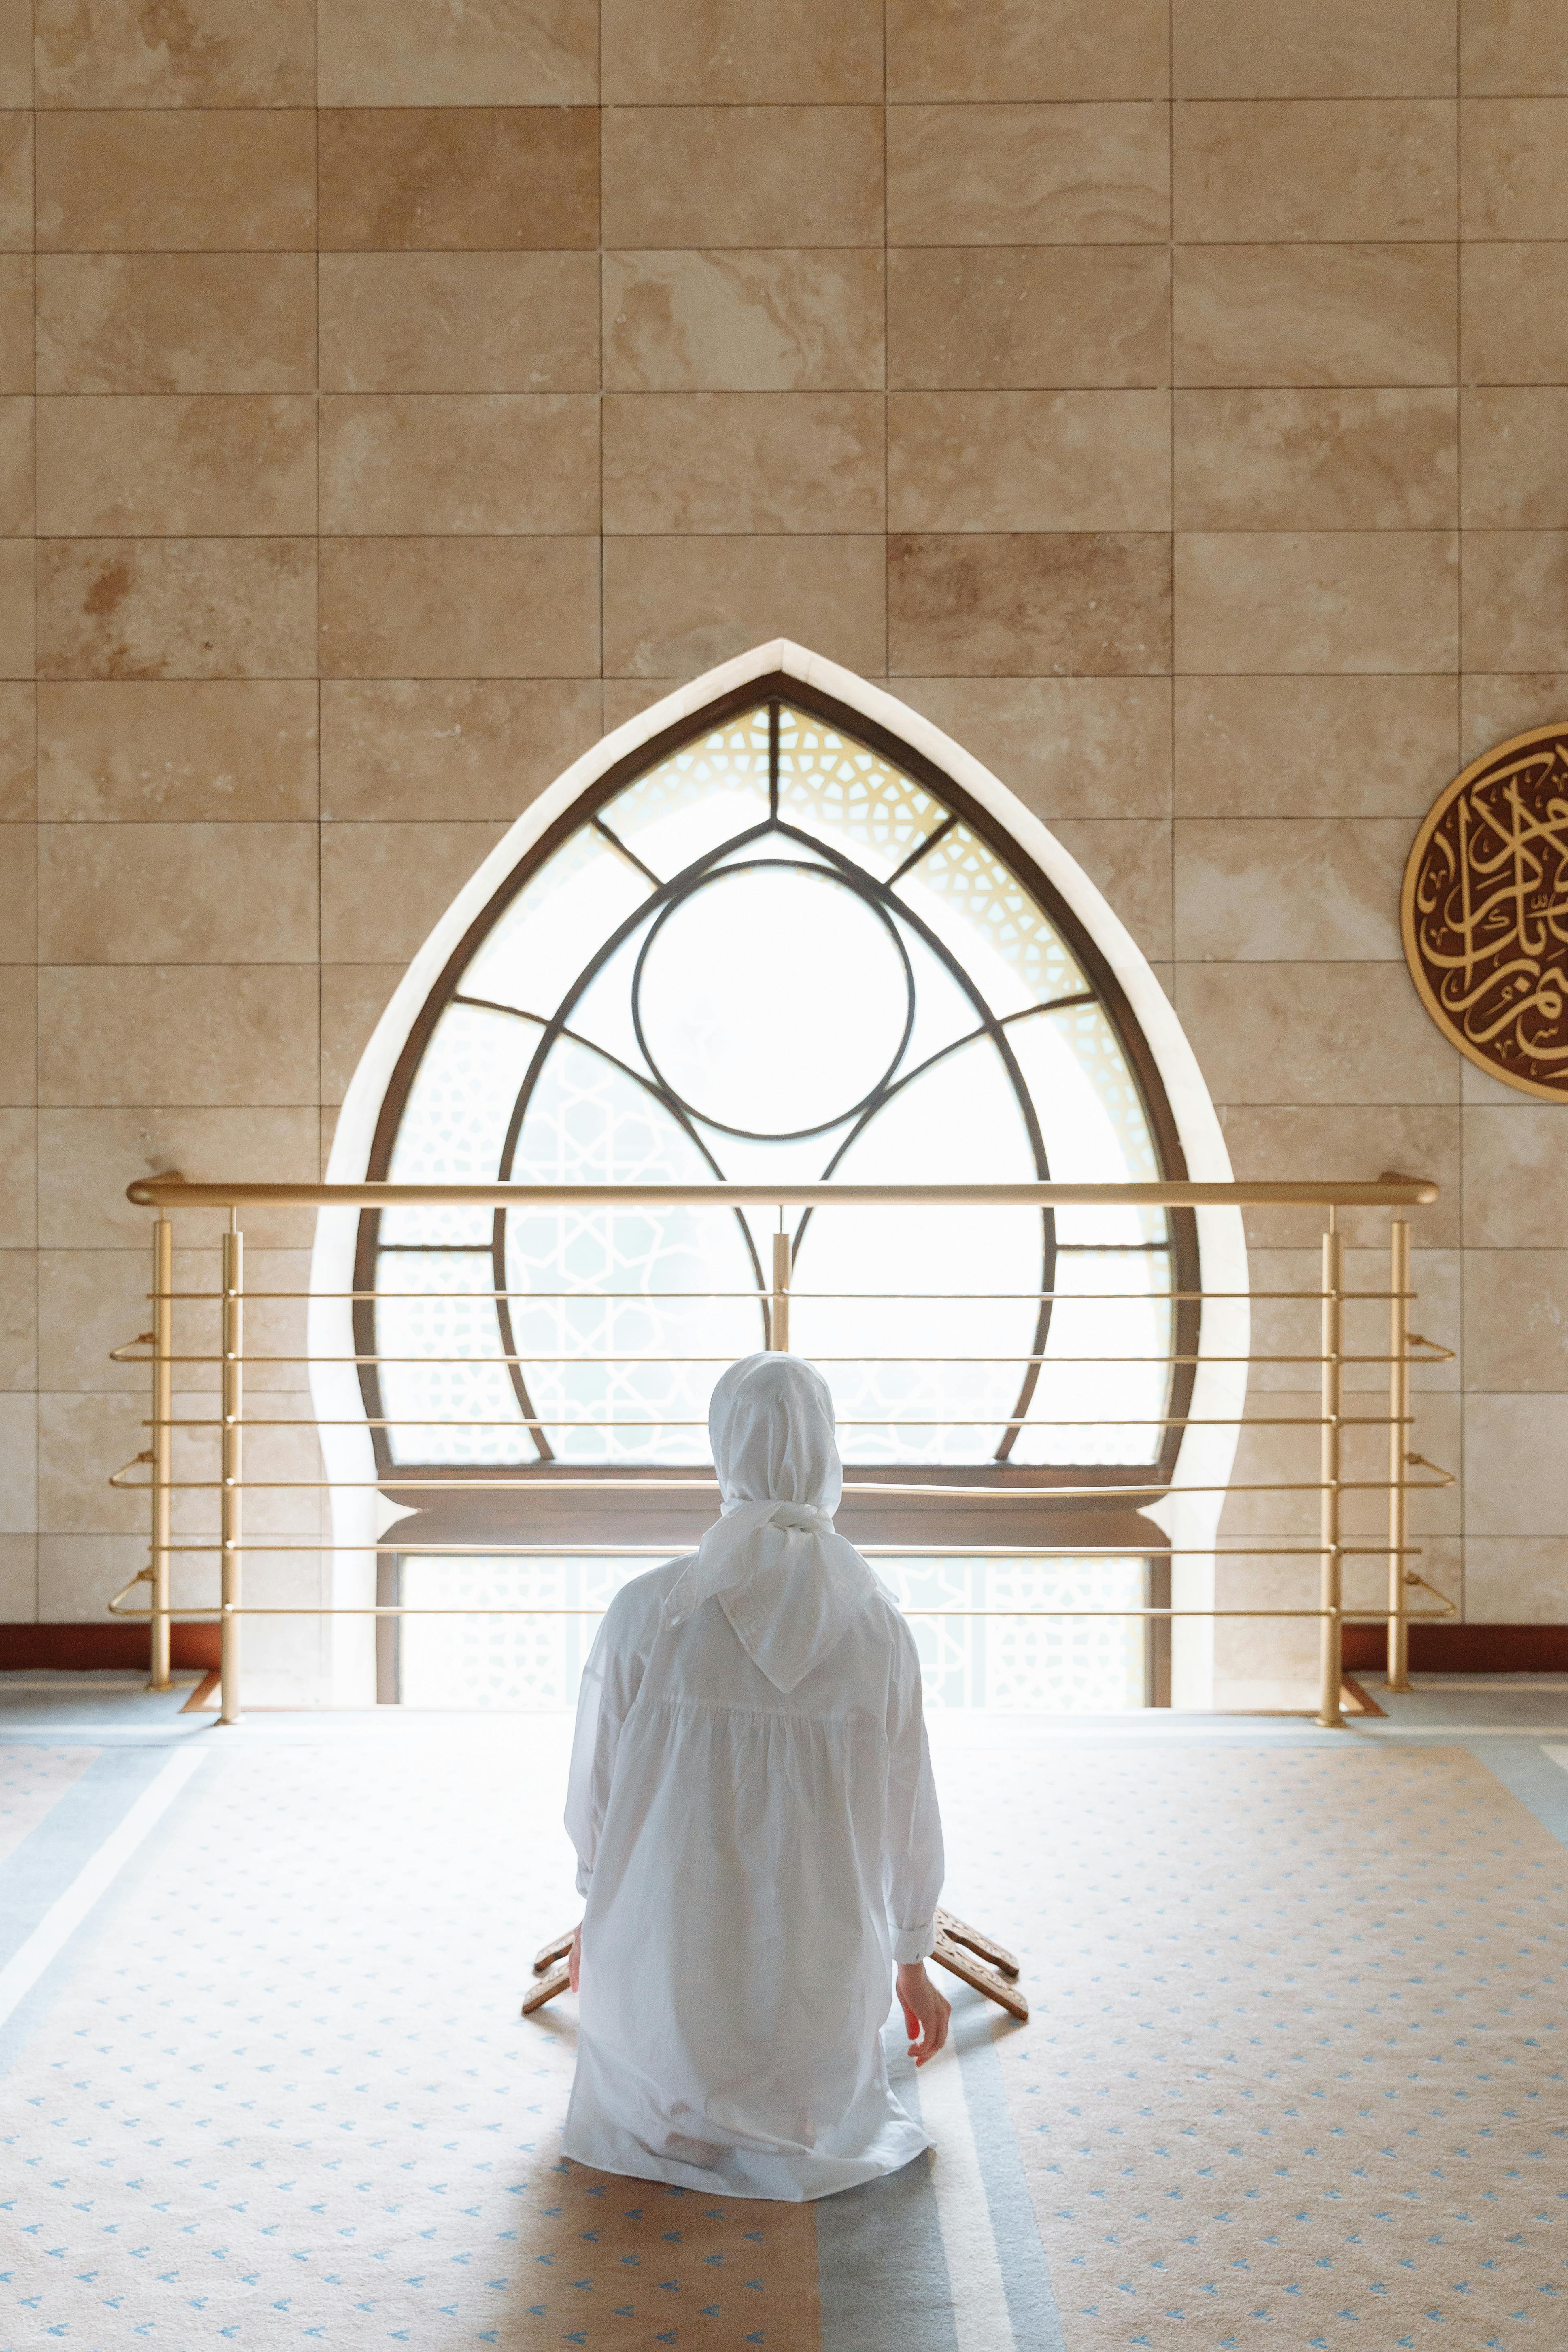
(757, 1836)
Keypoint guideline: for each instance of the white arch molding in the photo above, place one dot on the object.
(1207, 1448)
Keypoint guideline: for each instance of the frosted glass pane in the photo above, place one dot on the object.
(1080, 1377)
(960, 1118)
(555, 925)
(455, 1124)
(445, 1409)
(773, 999)
(1093, 1118)
(588, 1122)
(850, 797)
(696, 800)
(988, 921)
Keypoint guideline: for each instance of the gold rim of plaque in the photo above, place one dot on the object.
(1555, 734)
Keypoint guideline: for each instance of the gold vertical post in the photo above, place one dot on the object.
(231, 1493)
(1331, 1583)
(778, 1302)
(1398, 1446)
(162, 1444)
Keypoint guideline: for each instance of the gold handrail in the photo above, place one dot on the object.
(1392, 1190)
(1387, 1192)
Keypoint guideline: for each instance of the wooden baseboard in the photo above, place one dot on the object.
(1451, 1649)
(82, 1646)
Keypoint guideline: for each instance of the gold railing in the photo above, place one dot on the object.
(157, 1347)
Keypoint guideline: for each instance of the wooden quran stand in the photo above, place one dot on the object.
(964, 1951)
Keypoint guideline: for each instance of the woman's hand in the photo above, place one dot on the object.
(574, 1958)
(926, 2012)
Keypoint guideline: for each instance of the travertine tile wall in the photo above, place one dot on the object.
(1169, 399)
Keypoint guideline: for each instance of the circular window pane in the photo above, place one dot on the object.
(774, 995)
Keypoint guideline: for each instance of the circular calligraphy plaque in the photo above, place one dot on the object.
(1485, 912)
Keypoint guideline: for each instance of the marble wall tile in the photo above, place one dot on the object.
(405, 53)
(16, 53)
(996, 317)
(1292, 1325)
(1311, 170)
(176, 894)
(1496, 708)
(1510, 45)
(19, 1466)
(18, 753)
(176, 608)
(524, 607)
(459, 462)
(17, 181)
(742, 176)
(18, 898)
(1327, 314)
(385, 886)
(353, 998)
(214, 53)
(1516, 1320)
(1513, 1454)
(459, 323)
(1037, 50)
(203, 1034)
(1514, 312)
(87, 1157)
(18, 1027)
(16, 468)
(19, 1319)
(745, 462)
(1128, 862)
(1510, 183)
(449, 748)
(1070, 747)
(1017, 176)
(205, 181)
(1057, 602)
(174, 323)
(207, 465)
(1029, 461)
(740, 52)
(1355, 1033)
(15, 321)
(19, 1178)
(1319, 460)
(479, 179)
(1512, 437)
(1313, 48)
(76, 1575)
(756, 321)
(19, 593)
(1322, 889)
(1516, 1175)
(1516, 1580)
(182, 751)
(676, 607)
(106, 1430)
(1319, 746)
(1515, 600)
(1273, 1143)
(92, 1300)
(1312, 600)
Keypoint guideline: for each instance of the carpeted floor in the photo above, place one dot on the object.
(1294, 2074)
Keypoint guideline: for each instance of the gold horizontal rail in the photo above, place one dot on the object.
(1057, 1420)
(752, 1297)
(865, 1356)
(543, 1483)
(247, 1609)
(307, 1545)
(174, 1193)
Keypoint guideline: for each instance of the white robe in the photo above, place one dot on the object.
(756, 1861)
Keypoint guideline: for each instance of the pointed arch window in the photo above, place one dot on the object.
(775, 943)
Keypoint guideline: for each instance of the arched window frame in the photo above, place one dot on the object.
(1175, 1113)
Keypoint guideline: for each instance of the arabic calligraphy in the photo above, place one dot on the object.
(1485, 912)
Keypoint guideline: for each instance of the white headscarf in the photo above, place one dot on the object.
(788, 1583)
